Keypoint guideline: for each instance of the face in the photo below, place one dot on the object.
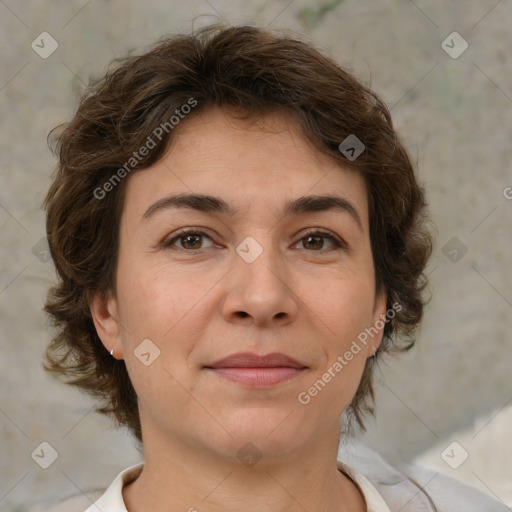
(257, 274)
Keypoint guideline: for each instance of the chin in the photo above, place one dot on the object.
(266, 432)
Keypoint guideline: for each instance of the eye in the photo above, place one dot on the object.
(190, 238)
(315, 240)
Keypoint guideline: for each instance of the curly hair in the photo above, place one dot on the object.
(251, 71)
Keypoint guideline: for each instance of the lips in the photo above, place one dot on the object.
(255, 371)
(248, 360)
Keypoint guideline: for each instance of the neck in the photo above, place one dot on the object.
(181, 478)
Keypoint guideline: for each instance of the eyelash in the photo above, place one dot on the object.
(339, 245)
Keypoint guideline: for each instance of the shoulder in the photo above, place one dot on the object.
(449, 494)
(412, 488)
(106, 500)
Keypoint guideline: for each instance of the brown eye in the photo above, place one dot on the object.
(315, 241)
(189, 240)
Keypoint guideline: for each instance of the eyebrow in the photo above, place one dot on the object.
(212, 204)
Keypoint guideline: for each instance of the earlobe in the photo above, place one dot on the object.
(104, 314)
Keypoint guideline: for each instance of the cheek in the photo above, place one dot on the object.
(169, 308)
(347, 306)
(156, 306)
(155, 299)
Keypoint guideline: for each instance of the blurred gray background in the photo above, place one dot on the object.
(453, 109)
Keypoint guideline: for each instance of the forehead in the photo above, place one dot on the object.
(260, 166)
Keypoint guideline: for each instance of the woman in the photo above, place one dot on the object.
(239, 236)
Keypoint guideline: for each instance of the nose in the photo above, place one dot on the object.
(260, 288)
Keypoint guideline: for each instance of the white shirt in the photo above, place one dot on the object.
(404, 488)
(112, 499)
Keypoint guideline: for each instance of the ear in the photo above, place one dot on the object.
(378, 322)
(104, 314)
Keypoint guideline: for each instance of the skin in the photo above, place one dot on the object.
(198, 301)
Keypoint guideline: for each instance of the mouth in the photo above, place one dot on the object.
(252, 370)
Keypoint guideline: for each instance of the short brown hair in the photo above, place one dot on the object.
(253, 71)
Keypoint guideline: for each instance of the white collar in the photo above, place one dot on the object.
(112, 499)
